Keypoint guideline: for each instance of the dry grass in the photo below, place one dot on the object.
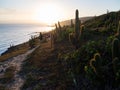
(47, 73)
(8, 75)
(21, 49)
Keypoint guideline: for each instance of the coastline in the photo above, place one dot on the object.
(16, 34)
(21, 48)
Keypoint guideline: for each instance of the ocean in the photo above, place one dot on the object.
(14, 34)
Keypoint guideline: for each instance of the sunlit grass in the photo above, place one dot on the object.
(14, 53)
(21, 50)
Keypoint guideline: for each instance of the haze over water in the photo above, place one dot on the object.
(14, 34)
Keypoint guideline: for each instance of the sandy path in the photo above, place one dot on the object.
(17, 63)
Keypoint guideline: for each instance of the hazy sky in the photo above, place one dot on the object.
(50, 11)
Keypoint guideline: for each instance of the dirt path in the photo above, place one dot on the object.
(17, 63)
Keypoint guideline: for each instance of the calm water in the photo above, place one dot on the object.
(11, 34)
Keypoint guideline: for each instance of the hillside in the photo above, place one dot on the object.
(106, 21)
(76, 57)
(68, 22)
(74, 63)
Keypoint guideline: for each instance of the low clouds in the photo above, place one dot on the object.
(14, 15)
(4, 11)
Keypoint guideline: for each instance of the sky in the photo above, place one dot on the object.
(51, 11)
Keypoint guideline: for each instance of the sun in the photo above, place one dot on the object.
(48, 13)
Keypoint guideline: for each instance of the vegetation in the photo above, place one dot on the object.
(20, 49)
(82, 56)
(40, 36)
(32, 42)
(93, 64)
(7, 78)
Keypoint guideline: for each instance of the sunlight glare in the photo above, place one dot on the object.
(48, 13)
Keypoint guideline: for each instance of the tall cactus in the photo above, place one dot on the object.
(77, 33)
(77, 24)
(116, 48)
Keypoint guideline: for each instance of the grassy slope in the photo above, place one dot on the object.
(9, 73)
(104, 20)
(19, 49)
(43, 69)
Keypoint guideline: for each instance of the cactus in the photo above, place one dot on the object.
(77, 33)
(52, 39)
(96, 64)
(116, 65)
(72, 23)
(118, 30)
(40, 36)
(117, 35)
(77, 25)
(116, 54)
(72, 38)
(56, 30)
(59, 26)
(56, 26)
(81, 32)
(115, 48)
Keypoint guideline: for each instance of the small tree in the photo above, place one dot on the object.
(32, 42)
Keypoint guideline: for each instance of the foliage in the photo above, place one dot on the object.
(32, 42)
(30, 80)
(8, 75)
